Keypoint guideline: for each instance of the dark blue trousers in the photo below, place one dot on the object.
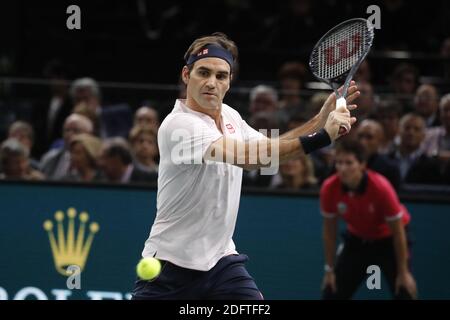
(227, 280)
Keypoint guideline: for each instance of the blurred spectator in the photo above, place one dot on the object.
(266, 121)
(404, 81)
(15, 162)
(388, 113)
(363, 74)
(24, 133)
(146, 117)
(415, 165)
(116, 162)
(292, 79)
(296, 174)
(370, 135)
(316, 102)
(437, 142)
(49, 115)
(108, 121)
(426, 104)
(56, 163)
(263, 99)
(84, 153)
(365, 102)
(144, 145)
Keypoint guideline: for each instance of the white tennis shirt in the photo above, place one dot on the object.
(197, 202)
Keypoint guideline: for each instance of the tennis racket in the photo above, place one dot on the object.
(338, 54)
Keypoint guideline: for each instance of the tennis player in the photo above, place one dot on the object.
(376, 227)
(204, 145)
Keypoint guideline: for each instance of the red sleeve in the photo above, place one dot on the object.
(388, 203)
(327, 201)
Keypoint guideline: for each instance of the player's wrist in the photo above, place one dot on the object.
(328, 268)
(315, 141)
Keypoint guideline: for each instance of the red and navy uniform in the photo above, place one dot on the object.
(368, 240)
(367, 209)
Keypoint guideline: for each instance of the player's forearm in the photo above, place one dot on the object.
(329, 242)
(401, 250)
(269, 153)
(309, 127)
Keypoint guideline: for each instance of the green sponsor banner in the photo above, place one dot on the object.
(44, 228)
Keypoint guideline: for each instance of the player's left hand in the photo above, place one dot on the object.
(406, 280)
(330, 103)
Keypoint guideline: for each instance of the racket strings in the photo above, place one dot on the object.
(341, 49)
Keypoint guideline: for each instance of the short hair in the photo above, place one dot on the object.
(118, 147)
(85, 83)
(409, 116)
(22, 126)
(444, 100)
(352, 146)
(84, 121)
(389, 106)
(403, 68)
(263, 89)
(12, 147)
(217, 38)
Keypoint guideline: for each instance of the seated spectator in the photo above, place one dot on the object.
(55, 163)
(116, 163)
(291, 77)
(363, 74)
(296, 174)
(415, 166)
(24, 133)
(404, 81)
(365, 102)
(263, 99)
(15, 162)
(437, 141)
(426, 104)
(388, 113)
(370, 134)
(112, 120)
(146, 117)
(84, 152)
(144, 147)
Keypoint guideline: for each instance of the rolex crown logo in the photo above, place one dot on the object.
(68, 246)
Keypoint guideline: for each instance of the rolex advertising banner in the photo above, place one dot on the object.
(83, 242)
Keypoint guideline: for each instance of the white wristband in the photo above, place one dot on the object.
(328, 268)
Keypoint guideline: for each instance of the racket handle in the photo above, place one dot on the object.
(341, 103)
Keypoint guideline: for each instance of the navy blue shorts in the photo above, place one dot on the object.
(227, 280)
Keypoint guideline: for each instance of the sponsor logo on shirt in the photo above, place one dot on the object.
(230, 128)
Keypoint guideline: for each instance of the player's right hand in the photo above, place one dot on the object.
(337, 119)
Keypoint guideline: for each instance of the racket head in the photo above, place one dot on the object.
(338, 54)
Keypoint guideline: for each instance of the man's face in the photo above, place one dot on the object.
(207, 83)
(426, 101)
(349, 169)
(369, 136)
(146, 146)
(111, 166)
(412, 133)
(15, 166)
(71, 128)
(263, 102)
(406, 83)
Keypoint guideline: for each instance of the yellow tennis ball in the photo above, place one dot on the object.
(148, 268)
